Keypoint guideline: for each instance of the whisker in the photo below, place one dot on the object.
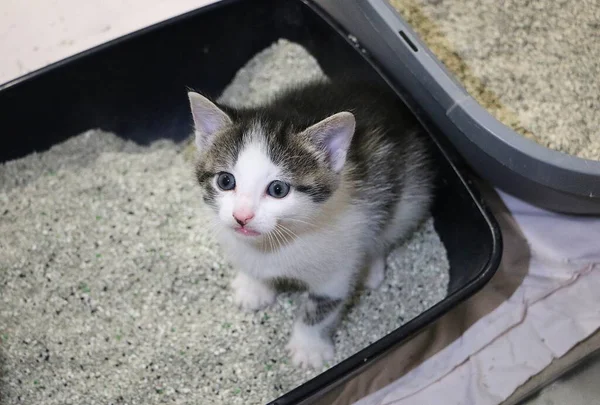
(280, 237)
(276, 248)
(300, 241)
(270, 242)
(303, 222)
(280, 253)
(284, 232)
(287, 231)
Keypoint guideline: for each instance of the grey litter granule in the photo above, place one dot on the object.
(112, 289)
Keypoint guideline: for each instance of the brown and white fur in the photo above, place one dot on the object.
(356, 168)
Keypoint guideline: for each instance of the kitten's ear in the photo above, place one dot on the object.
(333, 135)
(208, 119)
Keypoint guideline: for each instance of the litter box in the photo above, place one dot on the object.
(531, 172)
(136, 86)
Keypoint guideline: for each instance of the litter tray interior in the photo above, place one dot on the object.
(136, 87)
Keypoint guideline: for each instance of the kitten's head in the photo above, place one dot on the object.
(260, 173)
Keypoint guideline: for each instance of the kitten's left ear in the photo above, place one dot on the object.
(208, 119)
(333, 135)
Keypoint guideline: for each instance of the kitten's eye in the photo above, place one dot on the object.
(226, 181)
(278, 189)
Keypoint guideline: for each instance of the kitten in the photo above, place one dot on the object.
(313, 186)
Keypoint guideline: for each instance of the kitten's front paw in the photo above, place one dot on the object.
(251, 294)
(308, 349)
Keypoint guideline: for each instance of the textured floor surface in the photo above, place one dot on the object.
(579, 386)
(36, 33)
(113, 291)
(534, 65)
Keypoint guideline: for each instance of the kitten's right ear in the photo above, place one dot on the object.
(333, 135)
(208, 119)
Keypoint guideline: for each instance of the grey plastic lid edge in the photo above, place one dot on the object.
(383, 39)
(519, 154)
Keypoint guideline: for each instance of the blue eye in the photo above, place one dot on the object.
(278, 189)
(226, 181)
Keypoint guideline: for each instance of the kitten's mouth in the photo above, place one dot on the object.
(246, 231)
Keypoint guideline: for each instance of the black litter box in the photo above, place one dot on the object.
(136, 86)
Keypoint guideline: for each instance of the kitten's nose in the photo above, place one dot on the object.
(243, 217)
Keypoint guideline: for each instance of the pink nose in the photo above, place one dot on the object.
(242, 217)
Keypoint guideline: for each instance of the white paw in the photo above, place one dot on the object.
(251, 294)
(308, 349)
(376, 273)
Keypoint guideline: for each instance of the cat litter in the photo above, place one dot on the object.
(533, 65)
(112, 289)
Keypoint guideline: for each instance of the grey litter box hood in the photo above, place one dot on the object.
(536, 174)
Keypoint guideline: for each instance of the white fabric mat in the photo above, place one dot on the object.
(556, 306)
